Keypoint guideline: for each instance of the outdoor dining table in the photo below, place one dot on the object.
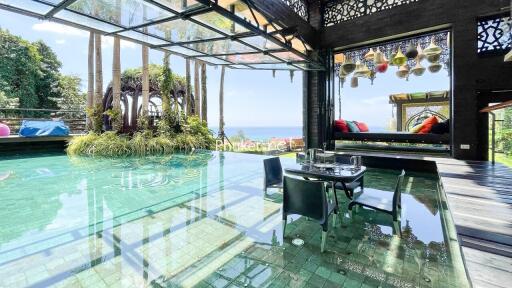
(334, 173)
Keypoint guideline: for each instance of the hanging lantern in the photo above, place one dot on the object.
(411, 51)
(341, 73)
(390, 57)
(403, 72)
(399, 59)
(291, 75)
(418, 70)
(372, 76)
(435, 67)
(354, 82)
(339, 58)
(362, 70)
(382, 68)
(434, 58)
(432, 50)
(370, 55)
(379, 57)
(348, 66)
(421, 54)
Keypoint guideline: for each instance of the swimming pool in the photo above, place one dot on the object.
(202, 220)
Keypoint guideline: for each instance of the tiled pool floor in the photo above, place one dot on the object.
(228, 233)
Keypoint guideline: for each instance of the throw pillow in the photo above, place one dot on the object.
(340, 126)
(362, 127)
(352, 127)
(427, 124)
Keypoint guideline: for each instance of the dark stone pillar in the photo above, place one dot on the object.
(318, 105)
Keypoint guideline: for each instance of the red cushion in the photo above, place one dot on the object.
(362, 127)
(341, 126)
(427, 124)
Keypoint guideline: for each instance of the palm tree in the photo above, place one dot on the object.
(116, 77)
(116, 83)
(204, 102)
(145, 81)
(221, 104)
(188, 98)
(145, 74)
(99, 71)
(166, 88)
(197, 93)
(90, 80)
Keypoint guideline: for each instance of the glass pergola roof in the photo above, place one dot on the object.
(220, 32)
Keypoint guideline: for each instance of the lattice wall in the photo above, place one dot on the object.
(300, 7)
(494, 35)
(342, 10)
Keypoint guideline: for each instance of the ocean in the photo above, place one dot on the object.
(261, 133)
(266, 133)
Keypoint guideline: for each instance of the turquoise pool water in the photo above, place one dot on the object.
(202, 220)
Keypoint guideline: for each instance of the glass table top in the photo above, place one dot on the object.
(203, 220)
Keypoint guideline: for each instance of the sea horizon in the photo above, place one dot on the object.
(262, 133)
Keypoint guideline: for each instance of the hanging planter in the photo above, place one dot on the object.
(362, 70)
(399, 59)
(434, 58)
(348, 66)
(339, 58)
(354, 82)
(403, 72)
(418, 70)
(421, 54)
(378, 57)
(433, 52)
(390, 57)
(370, 55)
(372, 76)
(435, 67)
(382, 68)
(411, 51)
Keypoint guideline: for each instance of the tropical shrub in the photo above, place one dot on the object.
(506, 140)
(96, 116)
(144, 143)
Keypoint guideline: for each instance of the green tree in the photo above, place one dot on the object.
(47, 84)
(29, 72)
(8, 102)
(19, 70)
(71, 96)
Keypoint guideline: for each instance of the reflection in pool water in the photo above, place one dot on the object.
(203, 220)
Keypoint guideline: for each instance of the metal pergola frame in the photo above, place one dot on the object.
(207, 6)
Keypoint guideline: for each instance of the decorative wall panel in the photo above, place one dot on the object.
(342, 10)
(300, 7)
(494, 35)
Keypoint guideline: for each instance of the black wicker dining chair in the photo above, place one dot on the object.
(308, 198)
(390, 203)
(272, 173)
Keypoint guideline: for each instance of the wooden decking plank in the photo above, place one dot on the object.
(487, 269)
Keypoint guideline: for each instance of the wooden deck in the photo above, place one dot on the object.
(480, 199)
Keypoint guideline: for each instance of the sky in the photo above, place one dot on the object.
(252, 98)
